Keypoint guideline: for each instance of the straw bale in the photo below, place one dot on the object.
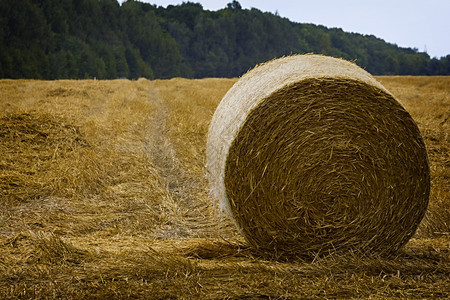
(309, 155)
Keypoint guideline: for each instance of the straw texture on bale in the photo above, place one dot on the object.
(309, 155)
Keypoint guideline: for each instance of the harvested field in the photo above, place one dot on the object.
(103, 194)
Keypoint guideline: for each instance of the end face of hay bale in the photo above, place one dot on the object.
(320, 163)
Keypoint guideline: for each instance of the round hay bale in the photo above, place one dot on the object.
(309, 155)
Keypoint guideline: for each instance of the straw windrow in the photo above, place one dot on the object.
(309, 154)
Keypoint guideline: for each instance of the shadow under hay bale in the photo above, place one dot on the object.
(311, 155)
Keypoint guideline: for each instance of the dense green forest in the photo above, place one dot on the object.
(52, 39)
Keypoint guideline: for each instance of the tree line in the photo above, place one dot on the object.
(54, 39)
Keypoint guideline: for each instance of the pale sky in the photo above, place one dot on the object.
(421, 24)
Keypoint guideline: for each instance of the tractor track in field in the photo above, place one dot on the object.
(189, 214)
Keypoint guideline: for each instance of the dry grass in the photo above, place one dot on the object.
(103, 195)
